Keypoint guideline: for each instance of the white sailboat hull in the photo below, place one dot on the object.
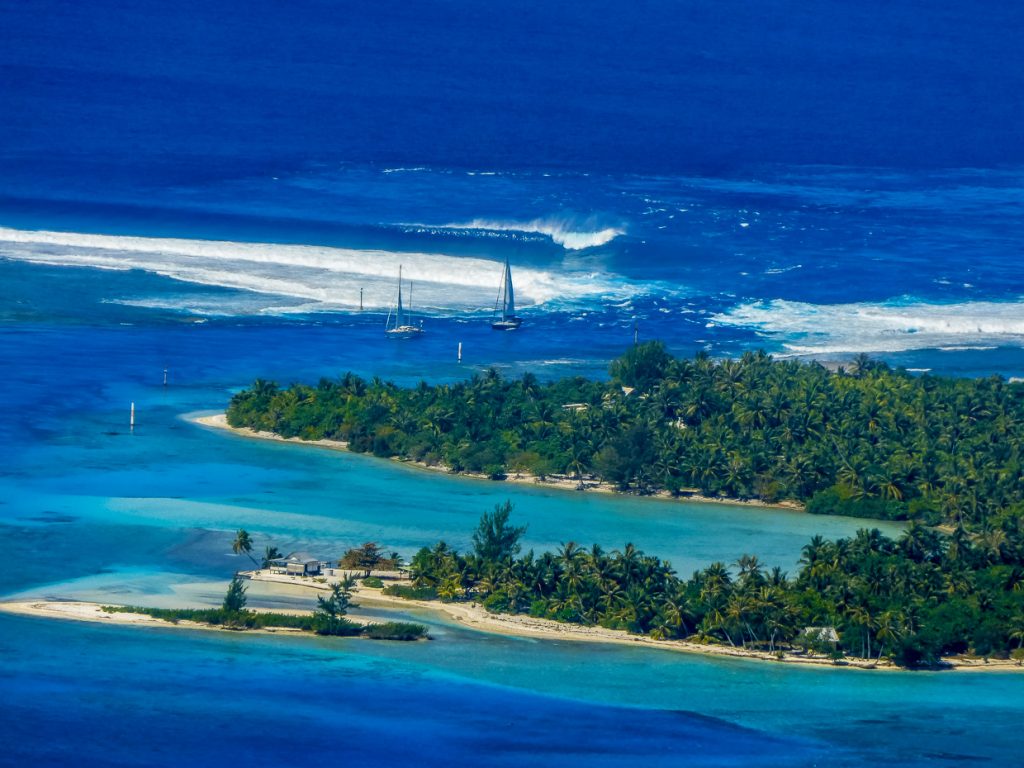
(506, 324)
(404, 332)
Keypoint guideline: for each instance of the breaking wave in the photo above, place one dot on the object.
(317, 278)
(565, 233)
(894, 326)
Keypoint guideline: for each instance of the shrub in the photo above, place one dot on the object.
(836, 501)
(539, 608)
(411, 593)
(395, 630)
(218, 617)
(337, 626)
(374, 582)
(496, 602)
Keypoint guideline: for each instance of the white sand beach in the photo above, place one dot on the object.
(220, 421)
(475, 617)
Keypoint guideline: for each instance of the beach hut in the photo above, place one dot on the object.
(296, 564)
(821, 635)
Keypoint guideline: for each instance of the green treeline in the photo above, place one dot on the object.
(327, 619)
(870, 442)
(912, 600)
(218, 617)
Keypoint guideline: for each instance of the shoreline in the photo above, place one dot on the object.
(220, 421)
(93, 613)
(474, 617)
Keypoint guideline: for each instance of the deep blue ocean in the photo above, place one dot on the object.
(213, 189)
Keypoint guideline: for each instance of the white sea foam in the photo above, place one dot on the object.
(318, 277)
(893, 326)
(567, 233)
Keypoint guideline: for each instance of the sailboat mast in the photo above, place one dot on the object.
(398, 314)
(504, 289)
(507, 321)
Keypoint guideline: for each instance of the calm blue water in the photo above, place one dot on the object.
(210, 187)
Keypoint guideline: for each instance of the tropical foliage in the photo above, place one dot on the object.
(369, 557)
(242, 544)
(327, 619)
(869, 441)
(329, 616)
(395, 630)
(913, 600)
(235, 599)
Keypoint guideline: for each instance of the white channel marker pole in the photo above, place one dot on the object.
(131, 423)
(460, 351)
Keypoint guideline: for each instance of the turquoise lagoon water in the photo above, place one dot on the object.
(815, 179)
(147, 517)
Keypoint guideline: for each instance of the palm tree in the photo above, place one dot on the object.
(264, 389)
(862, 617)
(1017, 631)
(634, 608)
(674, 613)
(749, 570)
(611, 595)
(269, 553)
(243, 544)
(992, 542)
(890, 629)
(628, 561)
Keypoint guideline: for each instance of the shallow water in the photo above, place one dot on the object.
(217, 188)
(147, 518)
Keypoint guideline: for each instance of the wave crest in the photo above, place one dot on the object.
(898, 325)
(322, 277)
(565, 232)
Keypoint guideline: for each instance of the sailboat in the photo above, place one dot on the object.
(507, 304)
(399, 329)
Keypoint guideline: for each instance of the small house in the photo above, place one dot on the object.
(821, 635)
(296, 564)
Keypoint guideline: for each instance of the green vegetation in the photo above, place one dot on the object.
(235, 599)
(870, 441)
(374, 582)
(329, 616)
(327, 619)
(369, 557)
(912, 600)
(411, 593)
(494, 539)
(395, 630)
(270, 553)
(218, 617)
(243, 544)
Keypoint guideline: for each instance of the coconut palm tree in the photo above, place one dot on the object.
(269, 553)
(243, 544)
(890, 629)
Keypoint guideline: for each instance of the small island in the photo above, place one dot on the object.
(943, 453)
(869, 442)
(328, 619)
(924, 601)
